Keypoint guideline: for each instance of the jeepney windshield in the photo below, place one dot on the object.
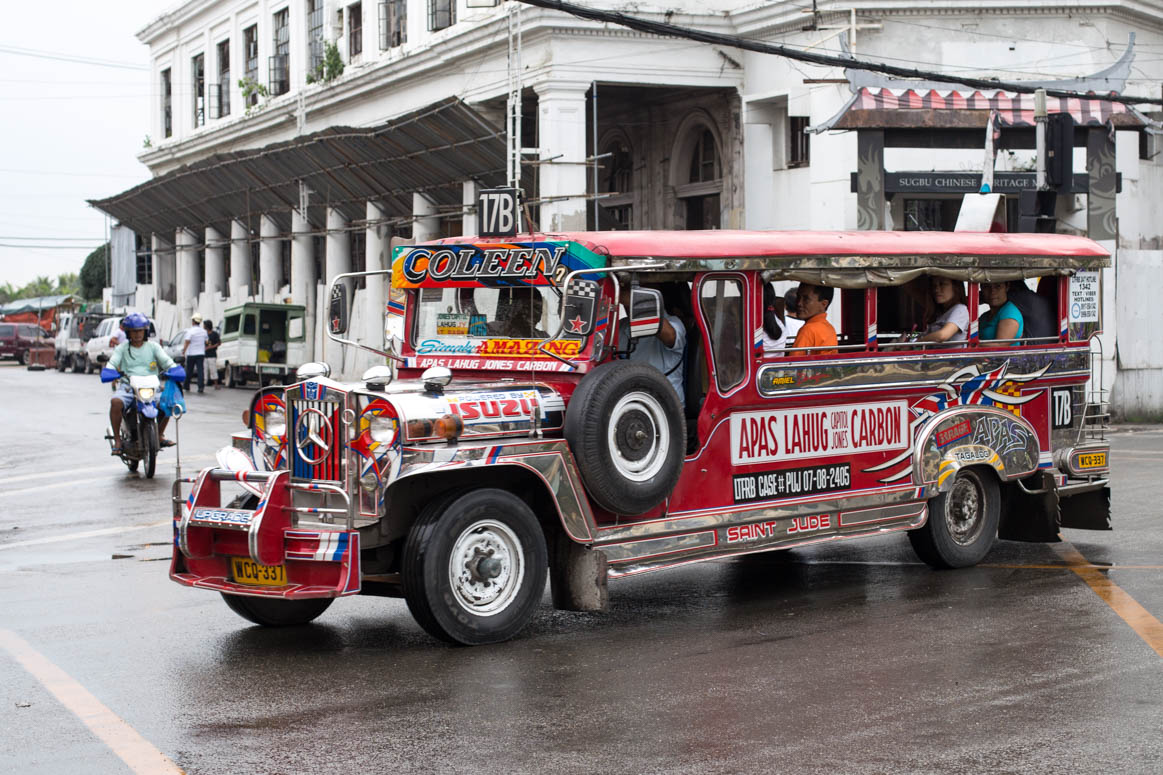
(525, 312)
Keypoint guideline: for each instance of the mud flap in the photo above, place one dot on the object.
(1030, 510)
(1087, 510)
(577, 577)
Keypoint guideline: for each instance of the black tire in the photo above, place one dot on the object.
(90, 367)
(22, 358)
(78, 364)
(626, 428)
(228, 377)
(451, 591)
(149, 446)
(962, 523)
(62, 361)
(276, 612)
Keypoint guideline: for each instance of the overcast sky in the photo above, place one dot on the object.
(70, 130)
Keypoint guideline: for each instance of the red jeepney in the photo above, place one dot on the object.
(517, 433)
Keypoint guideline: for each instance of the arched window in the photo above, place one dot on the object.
(699, 174)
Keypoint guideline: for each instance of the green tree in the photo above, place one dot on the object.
(7, 293)
(93, 273)
(68, 282)
(41, 286)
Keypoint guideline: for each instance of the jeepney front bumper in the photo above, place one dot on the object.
(259, 552)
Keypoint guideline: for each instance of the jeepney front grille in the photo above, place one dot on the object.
(316, 441)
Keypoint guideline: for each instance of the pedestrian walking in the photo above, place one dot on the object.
(194, 348)
(211, 363)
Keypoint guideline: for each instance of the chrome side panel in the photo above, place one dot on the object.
(549, 459)
(917, 371)
(779, 530)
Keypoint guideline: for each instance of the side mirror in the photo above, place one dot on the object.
(337, 309)
(645, 312)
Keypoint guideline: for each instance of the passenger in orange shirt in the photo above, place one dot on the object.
(812, 303)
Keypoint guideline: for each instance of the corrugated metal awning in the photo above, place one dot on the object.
(431, 151)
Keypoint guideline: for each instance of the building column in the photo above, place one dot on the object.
(188, 278)
(303, 278)
(338, 262)
(870, 180)
(215, 262)
(426, 225)
(379, 238)
(164, 269)
(1102, 226)
(471, 191)
(270, 261)
(561, 128)
(240, 258)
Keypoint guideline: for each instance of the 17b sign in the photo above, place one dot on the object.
(497, 214)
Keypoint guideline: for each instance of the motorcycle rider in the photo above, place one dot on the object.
(136, 357)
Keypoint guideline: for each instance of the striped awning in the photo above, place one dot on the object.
(886, 108)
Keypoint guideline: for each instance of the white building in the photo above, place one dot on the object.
(273, 173)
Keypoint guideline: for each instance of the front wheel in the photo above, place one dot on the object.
(276, 612)
(474, 567)
(23, 358)
(149, 447)
(962, 522)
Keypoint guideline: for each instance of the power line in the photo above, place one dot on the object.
(38, 54)
(734, 41)
(52, 247)
(49, 239)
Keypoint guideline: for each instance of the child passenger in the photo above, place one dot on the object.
(952, 320)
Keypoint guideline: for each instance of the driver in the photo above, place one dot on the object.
(136, 358)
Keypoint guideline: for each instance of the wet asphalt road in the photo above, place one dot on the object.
(851, 658)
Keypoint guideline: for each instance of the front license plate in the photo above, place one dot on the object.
(250, 572)
(1092, 460)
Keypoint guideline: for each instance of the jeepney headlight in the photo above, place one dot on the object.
(382, 428)
(369, 481)
(275, 423)
(145, 393)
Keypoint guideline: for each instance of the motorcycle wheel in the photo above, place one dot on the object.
(149, 447)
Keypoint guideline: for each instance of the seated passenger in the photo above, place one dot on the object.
(1037, 311)
(1004, 319)
(774, 328)
(812, 303)
(952, 316)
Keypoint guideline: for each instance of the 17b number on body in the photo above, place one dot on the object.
(497, 214)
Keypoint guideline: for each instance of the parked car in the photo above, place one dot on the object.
(174, 346)
(76, 328)
(99, 348)
(16, 339)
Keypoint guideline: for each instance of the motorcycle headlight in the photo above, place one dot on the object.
(275, 423)
(382, 429)
(145, 394)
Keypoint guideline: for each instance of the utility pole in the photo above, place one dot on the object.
(513, 107)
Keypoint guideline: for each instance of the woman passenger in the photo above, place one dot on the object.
(952, 321)
(1004, 319)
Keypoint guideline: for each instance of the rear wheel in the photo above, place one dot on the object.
(962, 522)
(62, 361)
(474, 567)
(22, 358)
(149, 447)
(276, 612)
(230, 376)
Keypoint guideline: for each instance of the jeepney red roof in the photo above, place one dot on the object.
(728, 243)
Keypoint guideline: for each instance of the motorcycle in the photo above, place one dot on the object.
(139, 431)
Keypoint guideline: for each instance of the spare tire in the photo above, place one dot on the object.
(625, 426)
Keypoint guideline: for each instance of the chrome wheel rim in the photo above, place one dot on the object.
(965, 509)
(486, 567)
(638, 437)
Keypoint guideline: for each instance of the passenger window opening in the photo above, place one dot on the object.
(721, 300)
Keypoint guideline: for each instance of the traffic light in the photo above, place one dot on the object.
(1036, 211)
(1059, 151)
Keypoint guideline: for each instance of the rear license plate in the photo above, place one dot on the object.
(1092, 460)
(250, 572)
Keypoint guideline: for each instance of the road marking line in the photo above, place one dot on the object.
(73, 471)
(133, 749)
(1060, 566)
(1139, 618)
(54, 485)
(86, 534)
